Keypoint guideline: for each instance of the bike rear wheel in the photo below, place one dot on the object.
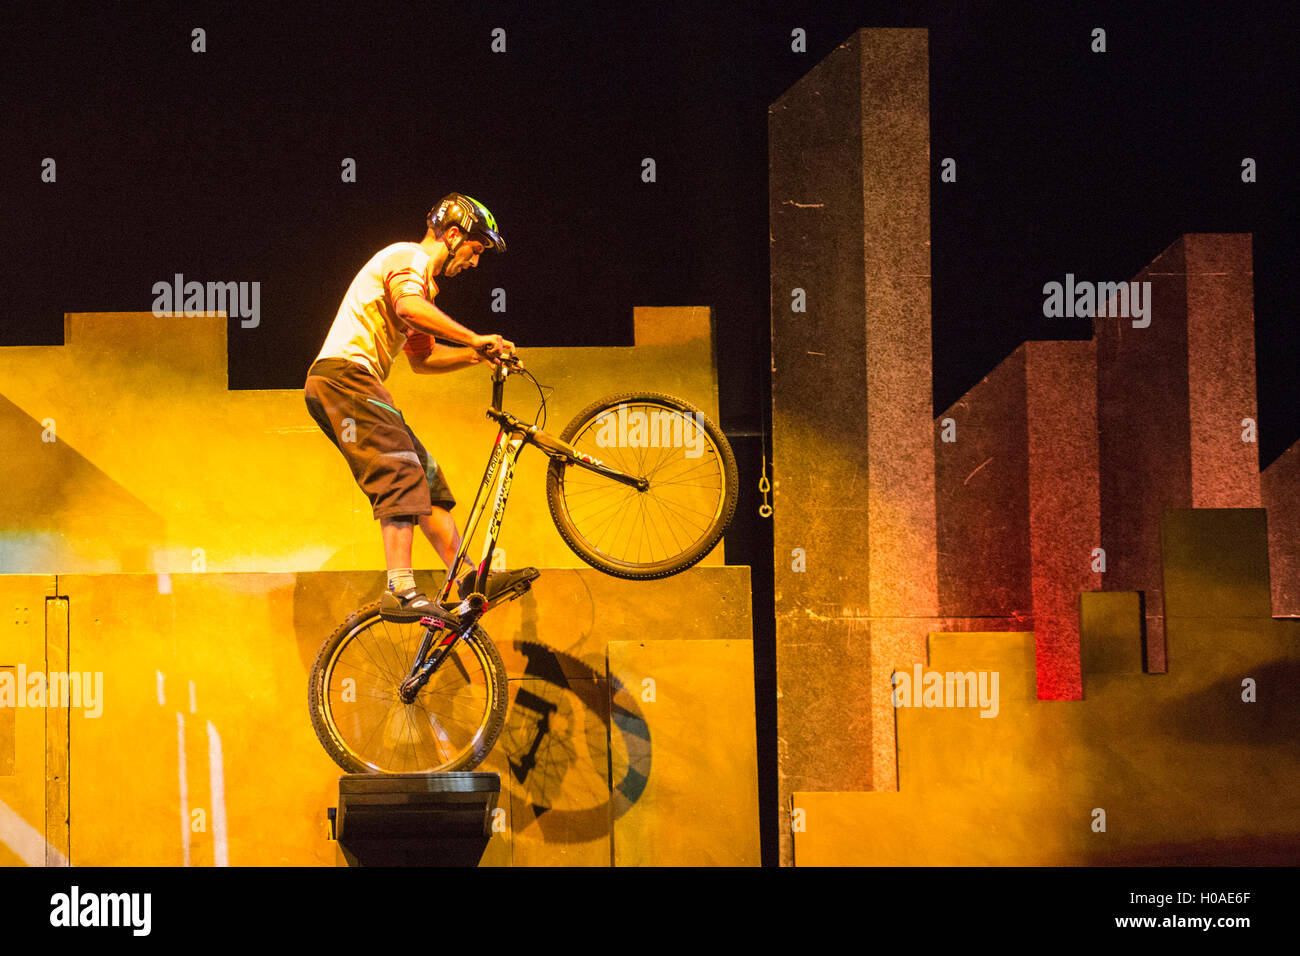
(677, 520)
(452, 724)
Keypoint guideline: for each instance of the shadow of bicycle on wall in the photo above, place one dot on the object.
(576, 743)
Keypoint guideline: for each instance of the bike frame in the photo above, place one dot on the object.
(512, 435)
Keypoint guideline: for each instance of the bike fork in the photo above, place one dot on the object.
(430, 655)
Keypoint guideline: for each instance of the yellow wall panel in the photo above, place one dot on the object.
(156, 466)
(1167, 769)
(693, 798)
(203, 753)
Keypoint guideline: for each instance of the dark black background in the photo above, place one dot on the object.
(226, 166)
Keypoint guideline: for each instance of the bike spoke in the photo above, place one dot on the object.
(380, 730)
(423, 729)
(682, 509)
(671, 517)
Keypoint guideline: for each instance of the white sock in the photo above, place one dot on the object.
(401, 580)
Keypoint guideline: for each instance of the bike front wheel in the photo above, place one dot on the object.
(677, 519)
(363, 724)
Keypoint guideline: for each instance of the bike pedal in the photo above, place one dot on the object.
(518, 591)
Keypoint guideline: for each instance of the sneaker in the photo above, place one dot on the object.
(499, 583)
(410, 606)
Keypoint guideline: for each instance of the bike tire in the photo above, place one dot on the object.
(701, 543)
(322, 703)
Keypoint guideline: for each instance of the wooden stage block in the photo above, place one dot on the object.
(1009, 653)
(29, 738)
(699, 806)
(1111, 632)
(1216, 563)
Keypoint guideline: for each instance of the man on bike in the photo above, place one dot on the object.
(389, 306)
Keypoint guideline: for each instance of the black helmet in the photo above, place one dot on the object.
(473, 218)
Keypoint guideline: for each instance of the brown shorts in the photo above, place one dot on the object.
(359, 416)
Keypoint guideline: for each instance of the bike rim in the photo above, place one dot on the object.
(675, 516)
(446, 721)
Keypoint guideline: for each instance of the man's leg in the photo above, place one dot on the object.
(398, 532)
(440, 528)
(402, 601)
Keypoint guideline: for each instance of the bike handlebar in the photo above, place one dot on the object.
(509, 361)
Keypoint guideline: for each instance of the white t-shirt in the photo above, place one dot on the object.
(367, 329)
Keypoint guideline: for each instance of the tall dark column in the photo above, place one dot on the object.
(853, 454)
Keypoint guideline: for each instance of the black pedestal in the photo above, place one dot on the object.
(416, 819)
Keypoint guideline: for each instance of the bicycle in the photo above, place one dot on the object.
(431, 696)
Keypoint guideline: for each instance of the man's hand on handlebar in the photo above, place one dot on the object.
(494, 348)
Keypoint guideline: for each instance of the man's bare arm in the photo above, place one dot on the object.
(423, 316)
(443, 358)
